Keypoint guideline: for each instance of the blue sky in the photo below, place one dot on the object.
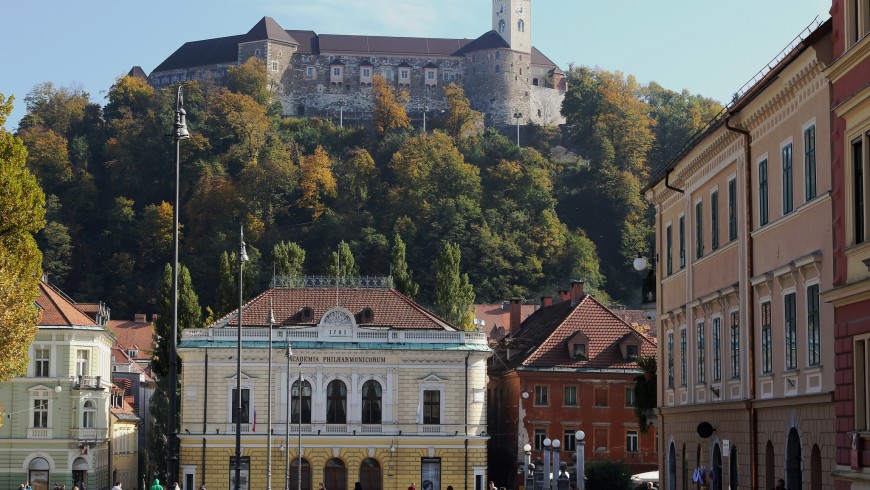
(710, 47)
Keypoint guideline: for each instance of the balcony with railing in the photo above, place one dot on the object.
(39, 433)
(355, 335)
(87, 383)
(279, 427)
(90, 434)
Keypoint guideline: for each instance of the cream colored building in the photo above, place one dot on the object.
(392, 395)
(743, 233)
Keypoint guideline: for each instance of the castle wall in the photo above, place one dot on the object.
(317, 95)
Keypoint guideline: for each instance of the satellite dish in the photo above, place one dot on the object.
(705, 430)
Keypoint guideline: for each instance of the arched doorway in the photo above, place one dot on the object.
(717, 467)
(734, 469)
(672, 467)
(769, 466)
(80, 472)
(335, 475)
(294, 474)
(370, 475)
(37, 473)
(816, 468)
(793, 461)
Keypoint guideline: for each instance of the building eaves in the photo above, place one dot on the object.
(747, 96)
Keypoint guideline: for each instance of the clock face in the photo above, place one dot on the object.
(501, 11)
(521, 10)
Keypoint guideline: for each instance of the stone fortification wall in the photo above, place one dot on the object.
(546, 106)
(320, 94)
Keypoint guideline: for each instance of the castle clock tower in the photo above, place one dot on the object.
(512, 19)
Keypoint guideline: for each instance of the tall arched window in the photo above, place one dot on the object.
(371, 402)
(335, 475)
(501, 25)
(294, 474)
(336, 403)
(370, 475)
(521, 25)
(89, 415)
(305, 401)
(497, 69)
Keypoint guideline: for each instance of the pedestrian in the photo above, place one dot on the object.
(357, 486)
(156, 485)
(492, 486)
(202, 487)
(780, 484)
(320, 486)
(449, 487)
(27, 486)
(56, 486)
(412, 486)
(117, 486)
(176, 487)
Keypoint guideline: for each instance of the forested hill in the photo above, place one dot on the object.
(526, 220)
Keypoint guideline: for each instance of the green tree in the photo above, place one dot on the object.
(47, 156)
(402, 277)
(189, 316)
(610, 475)
(250, 78)
(462, 120)
(342, 263)
(609, 126)
(228, 284)
(57, 251)
(288, 258)
(389, 108)
(22, 214)
(454, 294)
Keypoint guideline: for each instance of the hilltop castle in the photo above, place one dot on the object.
(316, 74)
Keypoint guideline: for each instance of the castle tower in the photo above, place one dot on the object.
(512, 19)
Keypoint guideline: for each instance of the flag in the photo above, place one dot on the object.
(420, 412)
(255, 420)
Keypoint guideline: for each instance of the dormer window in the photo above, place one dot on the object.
(336, 73)
(579, 352)
(133, 353)
(578, 346)
(630, 347)
(632, 351)
(404, 76)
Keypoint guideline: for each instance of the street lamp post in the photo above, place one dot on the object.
(580, 465)
(341, 116)
(180, 133)
(289, 354)
(527, 448)
(518, 115)
(243, 257)
(555, 465)
(299, 433)
(547, 443)
(269, 404)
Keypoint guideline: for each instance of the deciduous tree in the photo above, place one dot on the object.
(454, 294)
(288, 258)
(317, 182)
(22, 214)
(342, 264)
(389, 112)
(462, 121)
(402, 277)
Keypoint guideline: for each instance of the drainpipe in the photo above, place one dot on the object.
(668, 182)
(750, 298)
(204, 420)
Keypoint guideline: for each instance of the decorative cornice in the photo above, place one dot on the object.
(849, 60)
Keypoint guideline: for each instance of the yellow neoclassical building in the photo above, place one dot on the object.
(391, 394)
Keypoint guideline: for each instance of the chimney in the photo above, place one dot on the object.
(139, 318)
(563, 295)
(546, 301)
(516, 315)
(576, 291)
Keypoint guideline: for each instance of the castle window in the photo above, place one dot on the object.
(501, 25)
(305, 58)
(521, 25)
(497, 69)
(310, 72)
(256, 52)
(535, 82)
(497, 54)
(388, 74)
(274, 66)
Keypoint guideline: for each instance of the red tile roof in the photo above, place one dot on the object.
(58, 310)
(543, 337)
(498, 315)
(134, 335)
(389, 307)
